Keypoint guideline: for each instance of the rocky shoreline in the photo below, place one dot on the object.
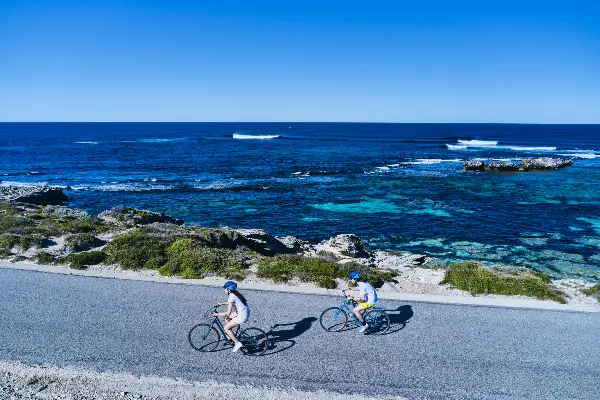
(146, 243)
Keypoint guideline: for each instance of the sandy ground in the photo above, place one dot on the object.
(21, 381)
(414, 284)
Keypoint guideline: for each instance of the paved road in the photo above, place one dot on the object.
(440, 352)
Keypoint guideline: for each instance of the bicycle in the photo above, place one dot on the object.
(207, 337)
(334, 319)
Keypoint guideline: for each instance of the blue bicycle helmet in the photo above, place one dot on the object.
(354, 275)
(230, 285)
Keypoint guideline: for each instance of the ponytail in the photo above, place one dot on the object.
(242, 298)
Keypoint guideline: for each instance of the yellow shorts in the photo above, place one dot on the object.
(364, 306)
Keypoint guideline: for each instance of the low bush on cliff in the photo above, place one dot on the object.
(284, 268)
(593, 291)
(82, 241)
(476, 279)
(31, 240)
(44, 257)
(192, 260)
(82, 260)
(136, 249)
(7, 242)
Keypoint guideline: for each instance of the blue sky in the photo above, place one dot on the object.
(368, 61)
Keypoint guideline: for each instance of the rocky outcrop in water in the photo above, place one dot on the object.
(41, 195)
(527, 165)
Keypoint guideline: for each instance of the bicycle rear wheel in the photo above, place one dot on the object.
(333, 319)
(378, 320)
(204, 337)
(255, 341)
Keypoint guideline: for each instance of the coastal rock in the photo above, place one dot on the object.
(263, 243)
(133, 216)
(66, 212)
(398, 261)
(41, 195)
(530, 164)
(294, 244)
(344, 246)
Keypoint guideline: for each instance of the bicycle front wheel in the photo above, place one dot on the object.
(333, 319)
(254, 340)
(378, 320)
(204, 337)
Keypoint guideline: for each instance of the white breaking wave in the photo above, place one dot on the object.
(431, 161)
(478, 143)
(86, 142)
(22, 184)
(489, 144)
(261, 137)
(122, 188)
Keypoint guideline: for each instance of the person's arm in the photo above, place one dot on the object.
(228, 312)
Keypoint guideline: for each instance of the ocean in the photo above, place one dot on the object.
(400, 187)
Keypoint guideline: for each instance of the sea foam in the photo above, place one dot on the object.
(260, 137)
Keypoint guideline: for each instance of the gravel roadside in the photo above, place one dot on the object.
(22, 381)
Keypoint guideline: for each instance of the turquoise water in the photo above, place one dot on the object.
(397, 186)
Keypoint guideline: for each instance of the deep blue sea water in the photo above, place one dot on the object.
(397, 186)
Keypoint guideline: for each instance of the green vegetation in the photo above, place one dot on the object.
(137, 249)
(82, 260)
(7, 242)
(44, 257)
(474, 278)
(593, 291)
(283, 268)
(82, 241)
(31, 240)
(190, 259)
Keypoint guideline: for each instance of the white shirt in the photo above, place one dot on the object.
(237, 303)
(367, 292)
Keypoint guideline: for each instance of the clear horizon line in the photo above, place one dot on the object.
(299, 122)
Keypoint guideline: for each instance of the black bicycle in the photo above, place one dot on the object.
(208, 337)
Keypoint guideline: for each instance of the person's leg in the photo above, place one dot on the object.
(229, 330)
(358, 313)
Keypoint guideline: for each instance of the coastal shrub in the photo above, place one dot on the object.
(7, 242)
(190, 259)
(136, 249)
(476, 279)
(593, 291)
(82, 260)
(44, 257)
(82, 241)
(20, 258)
(32, 240)
(374, 276)
(10, 222)
(55, 226)
(283, 268)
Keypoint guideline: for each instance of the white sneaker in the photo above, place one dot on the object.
(363, 328)
(237, 346)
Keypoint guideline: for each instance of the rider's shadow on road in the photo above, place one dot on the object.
(281, 335)
(399, 318)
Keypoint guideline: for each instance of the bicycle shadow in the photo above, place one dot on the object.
(399, 318)
(282, 339)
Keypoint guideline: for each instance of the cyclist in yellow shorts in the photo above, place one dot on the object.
(367, 298)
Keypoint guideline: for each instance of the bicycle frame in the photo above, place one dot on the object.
(350, 310)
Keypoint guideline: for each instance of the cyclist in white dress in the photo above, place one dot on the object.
(237, 312)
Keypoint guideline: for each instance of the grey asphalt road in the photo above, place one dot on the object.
(435, 351)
